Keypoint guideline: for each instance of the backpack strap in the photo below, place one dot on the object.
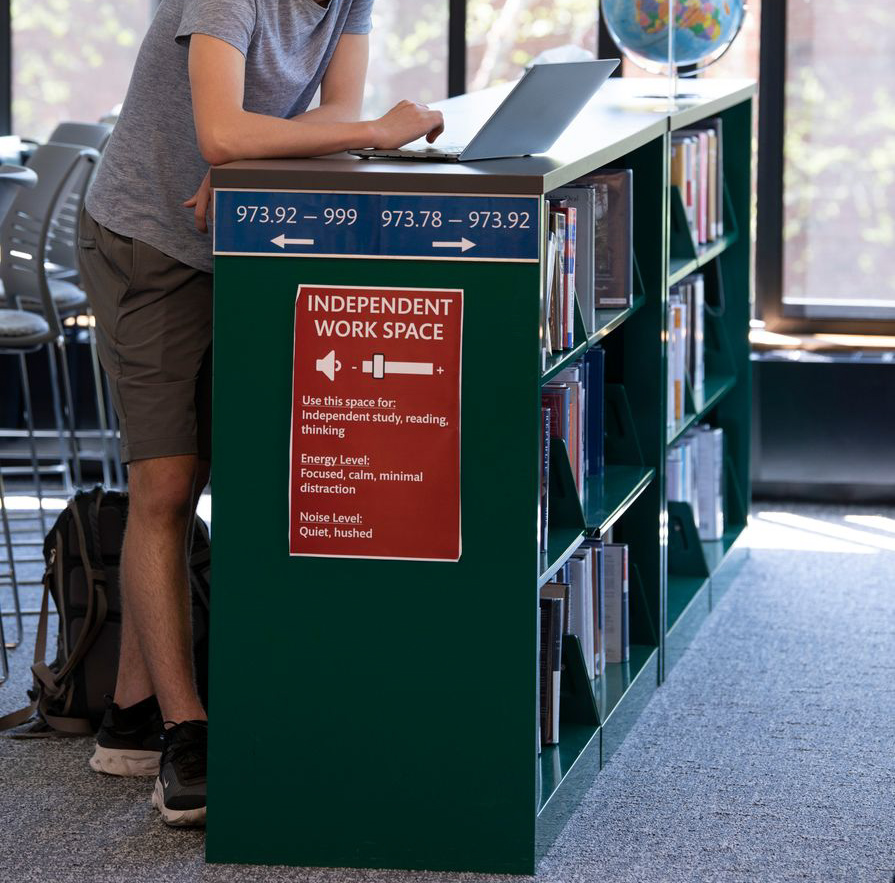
(97, 603)
(15, 718)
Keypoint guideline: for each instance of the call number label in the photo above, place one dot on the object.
(433, 226)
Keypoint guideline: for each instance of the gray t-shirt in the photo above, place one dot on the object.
(152, 163)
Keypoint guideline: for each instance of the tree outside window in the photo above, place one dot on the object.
(72, 59)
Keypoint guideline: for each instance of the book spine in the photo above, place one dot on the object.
(545, 474)
(581, 612)
(556, 633)
(698, 326)
(544, 668)
(595, 549)
(703, 186)
(625, 613)
(595, 416)
(571, 244)
(616, 602)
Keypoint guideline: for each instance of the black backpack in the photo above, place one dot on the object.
(82, 554)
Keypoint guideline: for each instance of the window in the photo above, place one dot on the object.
(72, 59)
(503, 36)
(839, 161)
(408, 53)
(409, 43)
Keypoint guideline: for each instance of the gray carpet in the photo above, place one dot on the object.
(768, 755)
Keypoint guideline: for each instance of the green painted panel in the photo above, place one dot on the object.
(374, 713)
(689, 603)
(623, 692)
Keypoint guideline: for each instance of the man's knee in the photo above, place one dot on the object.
(161, 490)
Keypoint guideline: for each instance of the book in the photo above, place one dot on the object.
(565, 219)
(697, 168)
(709, 469)
(572, 378)
(550, 667)
(715, 127)
(694, 287)
(674, 472)
(677, 357)
(594, 409)
(583, 200)
(545, 475)
(547, 329)
(571, 242)
(686, 345)
(596, 560)
(694, 475)
(581, 603)
(557, 226)
(613, 236)
(556, 397)
(702, 145)
(713, 185)
(615, 594)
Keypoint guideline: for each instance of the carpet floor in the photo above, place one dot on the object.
(768, 754)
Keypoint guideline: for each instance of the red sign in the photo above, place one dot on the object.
(375, 469)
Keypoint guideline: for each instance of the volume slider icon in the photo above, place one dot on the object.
(329, 364)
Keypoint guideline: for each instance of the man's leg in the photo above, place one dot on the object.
(134, 681)
(155, 581)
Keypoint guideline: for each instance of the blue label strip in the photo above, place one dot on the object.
(434, 226)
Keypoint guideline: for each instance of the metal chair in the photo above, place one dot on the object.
(63, 248)
(24, 235)
(62, 263)
(62, 268)
(12, 178)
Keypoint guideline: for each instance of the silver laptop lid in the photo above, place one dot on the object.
(538, 109)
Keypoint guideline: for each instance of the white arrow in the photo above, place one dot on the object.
(464, 244)
(282, 241)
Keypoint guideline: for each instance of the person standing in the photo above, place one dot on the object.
(214, 81)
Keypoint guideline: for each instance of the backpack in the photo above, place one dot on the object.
(82, 553)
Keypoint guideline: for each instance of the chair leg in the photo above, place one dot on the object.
(113, 430)
(32, 444)
(104, 435)
(4, 658)
(11, 563)
(66, 417)
(70, 409)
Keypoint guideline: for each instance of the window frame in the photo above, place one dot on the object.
(778, 316)
(6, 69)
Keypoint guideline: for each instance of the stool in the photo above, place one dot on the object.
(24, 235)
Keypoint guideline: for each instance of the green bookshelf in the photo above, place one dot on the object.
(412, 738)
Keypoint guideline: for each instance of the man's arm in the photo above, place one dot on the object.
(226, 132)
(342, 89)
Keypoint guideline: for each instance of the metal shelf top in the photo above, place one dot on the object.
(618, 120)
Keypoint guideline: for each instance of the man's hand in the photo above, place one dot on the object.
(202, 203)
(406, 122)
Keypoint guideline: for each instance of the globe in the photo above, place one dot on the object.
(703, 30)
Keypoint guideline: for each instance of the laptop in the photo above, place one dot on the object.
(529, 120)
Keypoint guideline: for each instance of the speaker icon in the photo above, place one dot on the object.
(329, 364)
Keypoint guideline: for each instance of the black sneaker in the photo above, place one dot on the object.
(179, 793)
(129, 741)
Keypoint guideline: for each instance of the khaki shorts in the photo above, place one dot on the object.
(153, 324)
